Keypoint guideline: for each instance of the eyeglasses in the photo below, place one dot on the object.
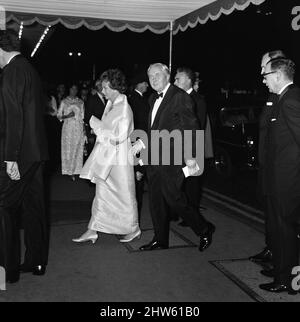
(265, 74)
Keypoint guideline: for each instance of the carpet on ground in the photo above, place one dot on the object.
(247, 276)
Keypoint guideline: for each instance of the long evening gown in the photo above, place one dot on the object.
(72, 136)
(110, 167)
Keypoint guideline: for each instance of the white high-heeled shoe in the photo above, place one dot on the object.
(129, 237)
(85, 237)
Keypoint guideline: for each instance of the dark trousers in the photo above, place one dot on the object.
(53, 131)
(266, 209)
(263, 199)
(192, 189)
(166, 196)
(282, 230)
(139, 189)
(26, 197)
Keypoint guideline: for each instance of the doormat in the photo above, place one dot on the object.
(247, 276)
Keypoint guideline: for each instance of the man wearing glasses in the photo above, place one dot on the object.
(265, 256)
(282, 173)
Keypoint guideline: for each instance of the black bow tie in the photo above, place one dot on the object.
(157, 96)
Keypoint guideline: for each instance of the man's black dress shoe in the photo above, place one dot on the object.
(153, 245)
(277, 288)
(35, 270)
(262, 257)
(183, 224)
(12, 277)
(206, 239)
(267, 272)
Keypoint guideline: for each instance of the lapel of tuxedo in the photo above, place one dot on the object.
(12, 60)
(151, 104)
(162, 106)
(100, 99)
(192, 94)
(285, 90)
(277, 106)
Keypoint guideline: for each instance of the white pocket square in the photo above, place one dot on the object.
(272, 120)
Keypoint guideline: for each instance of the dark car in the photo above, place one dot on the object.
(236, 129)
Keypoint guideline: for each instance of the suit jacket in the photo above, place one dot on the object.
(263, 128)
(22, 136)
(282, 156)
(93, 106)
(200, 108)
(140, 108)
(176, 112)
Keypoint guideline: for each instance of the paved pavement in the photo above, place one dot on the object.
(110, 271)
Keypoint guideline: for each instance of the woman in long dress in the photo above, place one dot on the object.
(71, 112)
(110, 166)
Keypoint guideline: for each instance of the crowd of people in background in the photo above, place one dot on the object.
(88, 127)
(79, 112)
(64, 130)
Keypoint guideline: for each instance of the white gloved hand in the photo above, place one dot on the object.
(12, 170)
(137, 147)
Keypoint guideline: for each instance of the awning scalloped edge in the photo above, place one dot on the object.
(236, 6)
(77, 22)
(200, 16)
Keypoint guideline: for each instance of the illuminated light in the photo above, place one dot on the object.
(40, 41)
(21, 30)
(70, 54)
(79, 54)
(269, 103)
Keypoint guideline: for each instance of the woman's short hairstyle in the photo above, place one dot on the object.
(116, 79)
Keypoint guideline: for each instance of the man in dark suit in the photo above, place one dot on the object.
(140, 108)
(265, 256)
(184, 79)
(23, 149)
(94, 106)
(171, 110)
(282, 174)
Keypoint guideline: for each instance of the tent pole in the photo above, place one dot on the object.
(171, 45)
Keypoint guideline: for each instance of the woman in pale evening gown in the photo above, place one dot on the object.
(110, 166)
(71, 112)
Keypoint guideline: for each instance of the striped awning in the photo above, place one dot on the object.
(118, 15)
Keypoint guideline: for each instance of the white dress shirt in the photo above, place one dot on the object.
(284, 87)
(189, 91)
(141, 94)
(157, 104)
(16, 54)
